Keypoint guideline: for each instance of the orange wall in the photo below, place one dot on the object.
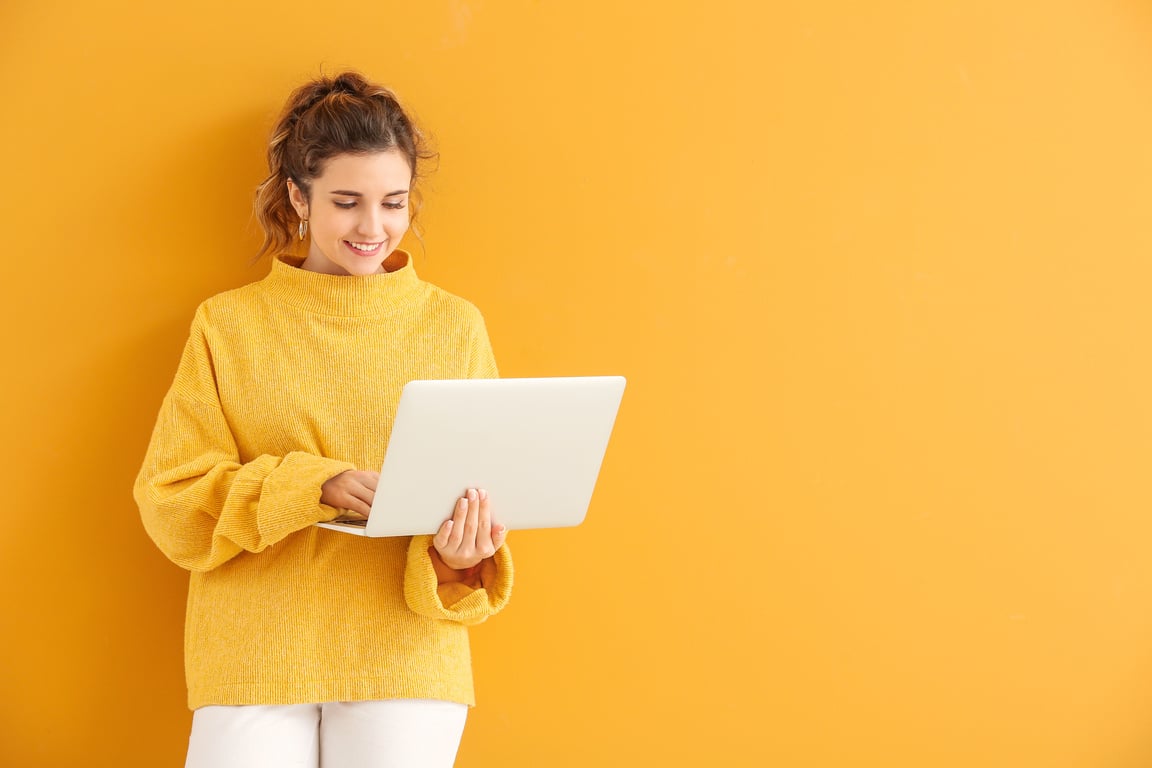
(877, 273)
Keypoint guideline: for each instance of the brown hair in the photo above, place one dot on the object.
(329, 116)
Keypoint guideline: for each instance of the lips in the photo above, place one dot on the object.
(363, 249)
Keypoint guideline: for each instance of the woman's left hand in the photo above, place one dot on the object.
(469, 536)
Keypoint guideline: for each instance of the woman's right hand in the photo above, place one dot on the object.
(351, 492)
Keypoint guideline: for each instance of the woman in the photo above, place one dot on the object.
(305, 646)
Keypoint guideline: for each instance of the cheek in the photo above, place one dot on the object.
(399, 223)
(336, 225)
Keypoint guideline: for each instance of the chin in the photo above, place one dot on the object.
(360, 270)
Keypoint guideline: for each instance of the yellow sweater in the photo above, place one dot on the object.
(283, 384)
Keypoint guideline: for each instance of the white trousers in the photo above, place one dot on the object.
(412, 733)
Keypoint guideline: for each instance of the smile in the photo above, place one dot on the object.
(368, 248)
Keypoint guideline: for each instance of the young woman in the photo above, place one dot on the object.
(305, 646)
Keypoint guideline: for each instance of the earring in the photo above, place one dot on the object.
(302, 229)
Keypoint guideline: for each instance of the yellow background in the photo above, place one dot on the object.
(877, 273)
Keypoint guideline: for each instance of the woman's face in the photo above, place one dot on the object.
(357, 214)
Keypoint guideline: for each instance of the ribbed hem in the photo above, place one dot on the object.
(318, 692)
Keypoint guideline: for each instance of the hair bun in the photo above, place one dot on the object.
(349, 82)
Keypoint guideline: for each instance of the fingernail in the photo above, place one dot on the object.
(483, 495)
(471, 494)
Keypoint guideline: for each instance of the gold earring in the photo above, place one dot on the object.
(302, 229)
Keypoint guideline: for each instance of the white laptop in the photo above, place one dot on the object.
(535, 445)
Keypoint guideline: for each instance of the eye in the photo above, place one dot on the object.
(395, 206)
(345, 206)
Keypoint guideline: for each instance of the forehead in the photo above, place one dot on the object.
(372, 172)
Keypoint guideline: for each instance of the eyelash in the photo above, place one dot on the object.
(393, 206)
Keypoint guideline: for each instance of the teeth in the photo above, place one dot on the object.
(363, 246)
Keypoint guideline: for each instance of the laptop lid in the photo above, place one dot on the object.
(535, 444)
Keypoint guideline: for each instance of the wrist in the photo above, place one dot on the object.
(445, 573)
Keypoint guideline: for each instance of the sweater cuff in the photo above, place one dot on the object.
(296, 487)
(455, 601)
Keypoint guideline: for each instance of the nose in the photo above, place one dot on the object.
(371, 223)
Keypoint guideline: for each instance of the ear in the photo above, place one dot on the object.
(298, 200)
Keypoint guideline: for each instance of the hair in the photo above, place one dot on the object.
(326, 117)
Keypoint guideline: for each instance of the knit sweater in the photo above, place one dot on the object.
(283, 384)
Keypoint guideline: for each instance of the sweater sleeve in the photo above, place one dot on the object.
(481, 360)
(455, 601)
(198, 502)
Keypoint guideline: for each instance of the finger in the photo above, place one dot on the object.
(345, 497)
(371, 480)
(484, 543)
(362, 493)
(354, 507)
(351, 514)
(499, 534)
(473, 520)
(459, 517)
(440, 540)
(484, 518)
(358, 498)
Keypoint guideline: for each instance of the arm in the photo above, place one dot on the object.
(464, 572)
(198, 502)
(468, 602)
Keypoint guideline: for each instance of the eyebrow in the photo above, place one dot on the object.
(350, 193)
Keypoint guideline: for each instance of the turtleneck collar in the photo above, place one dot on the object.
(343, 295)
